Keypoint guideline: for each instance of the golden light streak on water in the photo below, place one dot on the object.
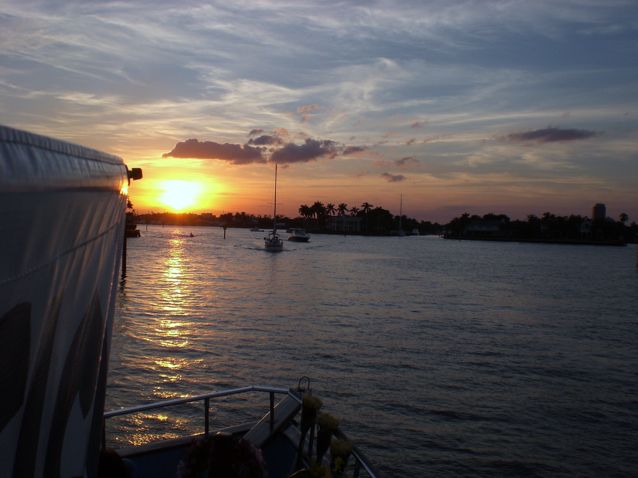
(172, 333)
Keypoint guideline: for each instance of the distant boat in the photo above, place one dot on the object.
(272, 242)
(299, 235)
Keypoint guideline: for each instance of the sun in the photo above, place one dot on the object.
(180, 195)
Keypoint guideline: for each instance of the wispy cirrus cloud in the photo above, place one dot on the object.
(306, 111)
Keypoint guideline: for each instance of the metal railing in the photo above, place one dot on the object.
(206, 398)
(360, 461)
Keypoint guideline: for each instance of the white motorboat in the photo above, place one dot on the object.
(299, 235)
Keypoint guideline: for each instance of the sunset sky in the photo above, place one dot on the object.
(515, 107)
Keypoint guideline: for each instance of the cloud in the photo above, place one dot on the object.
(306, 111)
(273, 146)
(233, 153)
(418, 124)
(255, 132)
(393, 178)
(405, 160)
(550, 135)
(312, 149)
(265, 140)
(350, 150)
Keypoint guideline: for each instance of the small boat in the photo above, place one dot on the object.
(272, 242)
(299, 235)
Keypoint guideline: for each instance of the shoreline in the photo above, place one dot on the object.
(568, 242)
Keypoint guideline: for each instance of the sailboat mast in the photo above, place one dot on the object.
(274, 216)
(400, 213)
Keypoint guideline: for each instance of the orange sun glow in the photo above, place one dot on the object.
(180, 195)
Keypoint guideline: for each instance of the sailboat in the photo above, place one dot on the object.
(272, 242)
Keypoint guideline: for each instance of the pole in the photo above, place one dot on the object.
(274, 219)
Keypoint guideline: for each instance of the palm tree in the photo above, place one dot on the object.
(623, 217)
(330, 209)
(305, 211)
(342, 208)
(318, 209)
(366, 207)
(354, 210)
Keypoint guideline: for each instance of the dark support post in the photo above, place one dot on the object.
(124, 255)
(272, 411)
(357, 468)
(103, 433)
(206, 416)
(311, 440)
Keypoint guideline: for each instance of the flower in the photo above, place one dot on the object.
(328, 422)
(311, 402)
(341, 448)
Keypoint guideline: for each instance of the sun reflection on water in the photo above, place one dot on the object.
(173, 297)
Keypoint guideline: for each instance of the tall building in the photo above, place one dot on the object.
(599, 212)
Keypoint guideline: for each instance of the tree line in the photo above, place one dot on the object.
(373, 220)
(547, 227)
(376, 220)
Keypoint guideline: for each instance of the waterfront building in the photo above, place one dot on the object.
(599, 212)
(344, 224)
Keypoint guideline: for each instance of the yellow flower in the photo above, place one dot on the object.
(328, 422)
(311, 402)
(341, 448)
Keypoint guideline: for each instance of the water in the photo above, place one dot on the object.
(442, 358)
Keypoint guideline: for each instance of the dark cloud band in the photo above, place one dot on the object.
(311, 150)
(393, 178)
(233, 153)
(550, 135)
(258, 149)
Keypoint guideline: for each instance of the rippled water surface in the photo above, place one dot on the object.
(442, 358)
